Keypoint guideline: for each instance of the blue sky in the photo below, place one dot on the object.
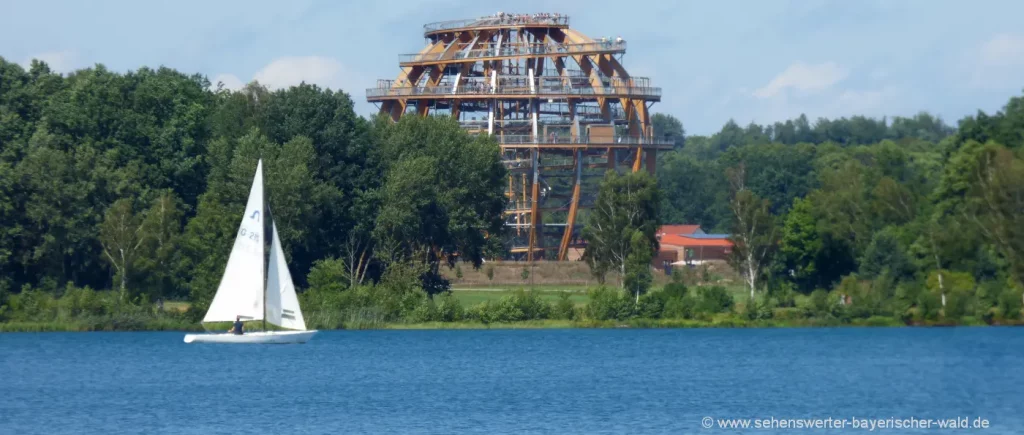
(751, 60)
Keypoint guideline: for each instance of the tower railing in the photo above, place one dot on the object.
(499, 20)
(583, 139)
(483, 90)
(516, 49)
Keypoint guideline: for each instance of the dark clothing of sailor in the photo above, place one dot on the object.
(238, 327)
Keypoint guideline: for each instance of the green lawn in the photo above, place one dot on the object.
(470, 297)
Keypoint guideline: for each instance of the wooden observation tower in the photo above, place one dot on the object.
(560, 104)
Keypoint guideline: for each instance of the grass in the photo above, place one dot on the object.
(473, 297)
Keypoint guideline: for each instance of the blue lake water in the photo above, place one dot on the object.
(511, 381)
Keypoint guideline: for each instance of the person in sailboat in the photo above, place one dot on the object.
(237, 328)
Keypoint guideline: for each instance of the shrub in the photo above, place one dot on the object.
(789, 313)
(817, 304)
(929, 305)
(651, 305)
(564, 308)
(957, 304)
(674, 289)
(713, 300)
(450, 309)
(609, 304)
(531, 305)
(425, 312)
(757, 309)
(783, 295)
(1010, 303)
(679, 308)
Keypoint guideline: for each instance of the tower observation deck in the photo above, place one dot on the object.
(561, 105)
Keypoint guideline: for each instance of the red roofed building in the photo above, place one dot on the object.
(679, 230)
(690, 244)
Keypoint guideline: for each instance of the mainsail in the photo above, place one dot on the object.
(282, 303)
(241, 288)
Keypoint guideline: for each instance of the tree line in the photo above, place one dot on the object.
(135, 182)
(906, 217)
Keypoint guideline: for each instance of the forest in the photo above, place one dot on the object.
(122, 191)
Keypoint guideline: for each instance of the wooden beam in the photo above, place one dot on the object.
(563, 249)
(535, 156)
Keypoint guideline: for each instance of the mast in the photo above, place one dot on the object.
(263, 240)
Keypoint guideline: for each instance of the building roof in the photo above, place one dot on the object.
(708, 236)
(685, 241)
(680, 229)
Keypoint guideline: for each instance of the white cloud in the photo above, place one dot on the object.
(291, 71)
(863, 102)
(998, 63)
(1002, 50)
(59, 61)
(230, 82)
(803, 77)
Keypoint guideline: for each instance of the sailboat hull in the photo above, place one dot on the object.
(262, 337)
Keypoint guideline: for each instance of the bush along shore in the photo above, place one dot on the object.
(390, 306)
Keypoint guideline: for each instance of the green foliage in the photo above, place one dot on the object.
(754, 231)
(520, 306)
(609, 304)
(442, 193)
(638, 276)
(626, 204)
(757, 309)
(564, 308)
(885, 253)
(1010, 303)
(669, 128)
(680, 308)
(135, 181)
(327, 275)
(713, 299)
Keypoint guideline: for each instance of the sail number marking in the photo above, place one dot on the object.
(254, 236)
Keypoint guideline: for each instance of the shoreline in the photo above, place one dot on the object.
(886, 322)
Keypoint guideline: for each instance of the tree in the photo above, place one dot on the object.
(161, 228)
(696, 188)
(121, 236)
(442, 195)
(984, 188)
(754, 233)
(625, 204)
(638, 275)
(669, 128)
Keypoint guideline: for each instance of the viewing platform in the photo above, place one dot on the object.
(498, 21)
(580, 142)
(478, 91)
(512, 50)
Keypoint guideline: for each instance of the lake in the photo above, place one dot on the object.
(513, 381)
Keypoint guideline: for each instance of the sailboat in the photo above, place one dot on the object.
(254, 287)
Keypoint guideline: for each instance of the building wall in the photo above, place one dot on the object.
(699, 252)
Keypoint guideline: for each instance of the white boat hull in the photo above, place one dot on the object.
(262, 337)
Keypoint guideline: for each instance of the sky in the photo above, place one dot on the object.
(750, 61)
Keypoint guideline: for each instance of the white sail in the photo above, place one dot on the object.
(282, 304)
(241, 288)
